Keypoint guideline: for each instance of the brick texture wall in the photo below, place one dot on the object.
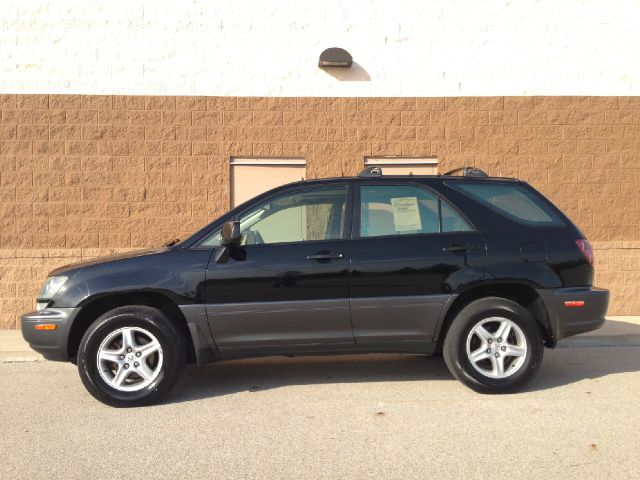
(84, 176)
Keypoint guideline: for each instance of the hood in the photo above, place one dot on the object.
(110, 258)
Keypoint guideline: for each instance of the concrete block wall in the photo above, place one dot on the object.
(84, 175)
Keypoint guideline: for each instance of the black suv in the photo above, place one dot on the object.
(484, 270)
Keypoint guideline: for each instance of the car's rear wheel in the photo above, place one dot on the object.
(493, 345)
(131, 356)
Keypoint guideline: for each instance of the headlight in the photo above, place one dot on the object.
(48, 290)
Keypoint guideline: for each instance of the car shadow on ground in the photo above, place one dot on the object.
(259, 374)
(561, 366)
(564, 366)
(614, 332)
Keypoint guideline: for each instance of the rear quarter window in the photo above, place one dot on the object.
(512, 200)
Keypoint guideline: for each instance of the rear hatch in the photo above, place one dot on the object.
(519, 221)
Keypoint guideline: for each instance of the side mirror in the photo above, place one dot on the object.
(231, 237)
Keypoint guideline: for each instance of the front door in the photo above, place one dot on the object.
(411, 250)
(286, 288)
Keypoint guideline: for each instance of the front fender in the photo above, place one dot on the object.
(177, 274)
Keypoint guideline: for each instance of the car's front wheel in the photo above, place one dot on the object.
(493, 345)
(131, 356)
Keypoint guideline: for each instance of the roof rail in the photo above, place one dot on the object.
(371, 172)
(467, 172)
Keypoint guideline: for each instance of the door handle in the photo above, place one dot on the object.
(326, 256)
(461, 247)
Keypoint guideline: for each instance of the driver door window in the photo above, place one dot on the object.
(312, 215)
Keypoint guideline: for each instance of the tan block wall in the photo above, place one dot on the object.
(618, 269)
(84, 175)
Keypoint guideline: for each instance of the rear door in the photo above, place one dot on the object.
(411, 252)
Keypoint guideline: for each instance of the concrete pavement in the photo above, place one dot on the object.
(355, 417)
(13, 348)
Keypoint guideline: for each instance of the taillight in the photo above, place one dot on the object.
(586, 249)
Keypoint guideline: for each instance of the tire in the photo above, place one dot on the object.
(131, 373)
(476, 329)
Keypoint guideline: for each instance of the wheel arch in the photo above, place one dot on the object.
(519, 292)
(94, 307)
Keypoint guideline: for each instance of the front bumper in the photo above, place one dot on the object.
(567, 321)
(52, 344)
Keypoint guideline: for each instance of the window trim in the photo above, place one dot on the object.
(355, 225)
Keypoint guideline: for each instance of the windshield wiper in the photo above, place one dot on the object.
(171, 243)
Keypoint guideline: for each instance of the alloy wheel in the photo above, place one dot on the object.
(129, 359)
(496, 347)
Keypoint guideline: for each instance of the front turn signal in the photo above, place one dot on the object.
(45, 326)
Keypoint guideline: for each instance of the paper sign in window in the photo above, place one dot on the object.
(406, 215)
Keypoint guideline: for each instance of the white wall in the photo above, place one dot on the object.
(254, 47)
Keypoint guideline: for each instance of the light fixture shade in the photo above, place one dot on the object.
(335, 57)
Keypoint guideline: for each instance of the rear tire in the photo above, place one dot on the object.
(477, 354)
(131, 356)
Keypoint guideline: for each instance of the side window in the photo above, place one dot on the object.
(512, 200)
(404, 210)
(214, 239)
(316, 214)
(452, 221)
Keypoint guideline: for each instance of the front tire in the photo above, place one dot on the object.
(494, 345)
(131, 356)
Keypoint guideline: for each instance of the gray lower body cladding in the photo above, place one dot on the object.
(585, 311)
(405, 324)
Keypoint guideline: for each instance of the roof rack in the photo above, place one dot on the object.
(467, 172)
(371, 172)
